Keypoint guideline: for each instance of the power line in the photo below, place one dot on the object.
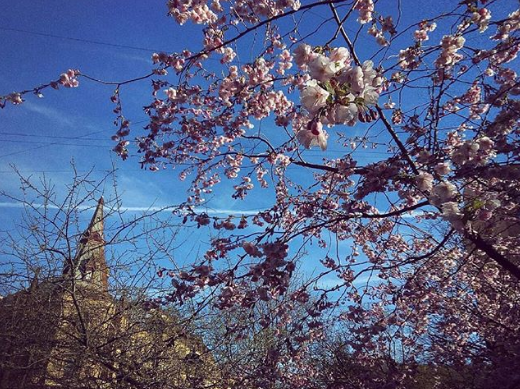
(81, 40)
(46, 145)
(83, 138)
(44, 136)
(310, 152)
(47, 35)
(65, 171)
(363, 152)
(56, 143)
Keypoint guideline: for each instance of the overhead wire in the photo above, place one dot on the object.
(83, 137)
(80, 137)
(310, 152)
(80, 40)
(93, 42)
(46, 145)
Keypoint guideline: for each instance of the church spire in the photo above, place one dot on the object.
(89, 264)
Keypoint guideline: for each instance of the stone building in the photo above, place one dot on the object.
(69, 332)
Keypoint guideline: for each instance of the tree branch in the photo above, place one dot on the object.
(490, 251)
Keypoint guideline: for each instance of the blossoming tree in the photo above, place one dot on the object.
(431, 271)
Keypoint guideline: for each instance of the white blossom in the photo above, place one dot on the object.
(313, 97)
(313, 135)
(322, 68)
(424, 181)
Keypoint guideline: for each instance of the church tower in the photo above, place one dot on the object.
(45, 329)
(69, 332)
(89, 264)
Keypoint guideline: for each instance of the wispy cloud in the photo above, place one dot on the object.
(84, 207)
(329, 283)
(166, 209)
(50, 113)
(21, 204)
(215, 211)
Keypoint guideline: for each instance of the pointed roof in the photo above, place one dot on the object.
(89, 264)
(96, 224)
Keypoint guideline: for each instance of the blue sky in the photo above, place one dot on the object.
(42, 39)
(44, 135)
(112, 41)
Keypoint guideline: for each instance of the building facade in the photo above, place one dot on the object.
(69, 332)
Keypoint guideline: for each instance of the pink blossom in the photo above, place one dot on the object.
(340, 55)
(486, 143)
(303, 55)
(313, 97)
(285, 62)
(171, 93)
(389, 104)
(354, 77)
(505, 28)
(322, 68)
(370, 96)
(443, 192)
(15, 98)
(229, 55)
(345, 114)
(410, 58)
(449, 55)
(421, 34)
(481, 18)
(313, 135)
(69, 79)
(365, 8)
(451, 212)
(442, 168)
(424, 181)
(378, 34)
(201, 14)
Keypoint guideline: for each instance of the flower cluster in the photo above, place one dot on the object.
(14, 98)
(285, 62)
(476, 152)
(421, 34)
(508, 26)
(198, 12)
(313, 135)
(387, 25)
(473, 97)
(335, 92)
(69, 79)
(409, 58)
(450, 46)
(365, 8)
(452, 213)
(424, 181)
(481, 18)
(442, 193)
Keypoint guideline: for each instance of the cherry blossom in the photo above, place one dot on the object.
(424, 181)
(322, 68)
(313, 135)
(450, 46)
(408, 211)
(69, 79)
(314, 97)
(365, 8)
